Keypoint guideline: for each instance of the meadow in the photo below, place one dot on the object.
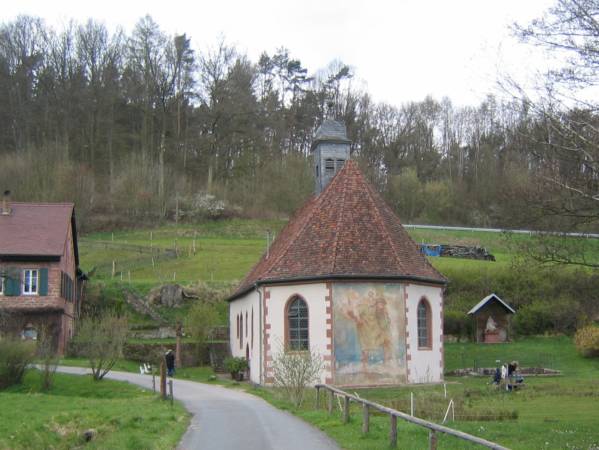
(226, 249)
(124, 416)
(548, 413)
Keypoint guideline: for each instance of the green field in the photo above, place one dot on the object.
(123, 415)
(549, 412)
(225, 250)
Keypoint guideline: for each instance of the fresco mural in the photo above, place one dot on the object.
(369, 334)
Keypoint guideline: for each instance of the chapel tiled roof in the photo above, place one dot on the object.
(35, 229)
(347, 231)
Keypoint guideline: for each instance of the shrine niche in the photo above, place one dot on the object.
(492, 317)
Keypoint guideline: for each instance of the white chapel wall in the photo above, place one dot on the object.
(425, 366)
(315, 296)
(245, 306)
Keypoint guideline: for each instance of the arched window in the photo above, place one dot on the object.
(424, 325)
(297, 324)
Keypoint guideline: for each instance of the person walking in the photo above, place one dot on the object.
(169, 357)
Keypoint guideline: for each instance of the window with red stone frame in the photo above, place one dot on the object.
(424, 318)
(297, 336)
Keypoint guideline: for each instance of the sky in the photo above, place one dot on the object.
(399, 50)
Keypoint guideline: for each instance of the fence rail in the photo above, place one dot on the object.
(393, 416)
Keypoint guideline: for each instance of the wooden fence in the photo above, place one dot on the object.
(393, 416)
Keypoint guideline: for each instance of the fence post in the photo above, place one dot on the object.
(331, 398)
(153, 381)
(365, 418)
(170, 389)
(432, 440)
(346, 409)
(317, 397)
(162, 379)
(393, 431)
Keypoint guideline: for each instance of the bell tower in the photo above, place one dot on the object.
(330, 151)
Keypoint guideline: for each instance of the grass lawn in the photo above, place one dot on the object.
(550, 412)
(124, 416)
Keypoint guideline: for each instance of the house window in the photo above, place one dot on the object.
(297, 325)
(329, 167)
(29, 333)
(1, 284)
(339, 165)
(30, 281)
(424, 325)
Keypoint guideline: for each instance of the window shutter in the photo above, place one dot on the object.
(43, 288)
(12, 282)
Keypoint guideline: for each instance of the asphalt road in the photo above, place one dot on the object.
(226, 419)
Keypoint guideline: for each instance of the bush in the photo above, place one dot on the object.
(235, 365)
(200, 320)
(458, 324)
(587, 341)
(558, 316)
(15, 356)
(293, 371)
(47, 357)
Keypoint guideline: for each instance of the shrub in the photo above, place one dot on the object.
(235, 365)
(15, 356)
(293, 371)
(558, 316)
(458, 324)
(47, 357)
(587, 341)
(200, 320)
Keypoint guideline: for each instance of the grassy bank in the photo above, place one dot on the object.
(123, 415)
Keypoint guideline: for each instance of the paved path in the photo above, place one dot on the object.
(226, 419)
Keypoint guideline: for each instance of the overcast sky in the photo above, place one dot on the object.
(400, 50)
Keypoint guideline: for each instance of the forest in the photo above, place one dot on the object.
(142, 127)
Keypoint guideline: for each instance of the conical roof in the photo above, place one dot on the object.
(346, 232)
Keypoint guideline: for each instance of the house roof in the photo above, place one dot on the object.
(490, 298)
(346, 232)
(37, 230)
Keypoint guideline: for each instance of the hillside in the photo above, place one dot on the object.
(225, 250)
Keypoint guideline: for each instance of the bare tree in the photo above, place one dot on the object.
(101, 339)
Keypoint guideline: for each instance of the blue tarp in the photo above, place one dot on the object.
(431, 250)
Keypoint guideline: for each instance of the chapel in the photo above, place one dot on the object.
(345, 280)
